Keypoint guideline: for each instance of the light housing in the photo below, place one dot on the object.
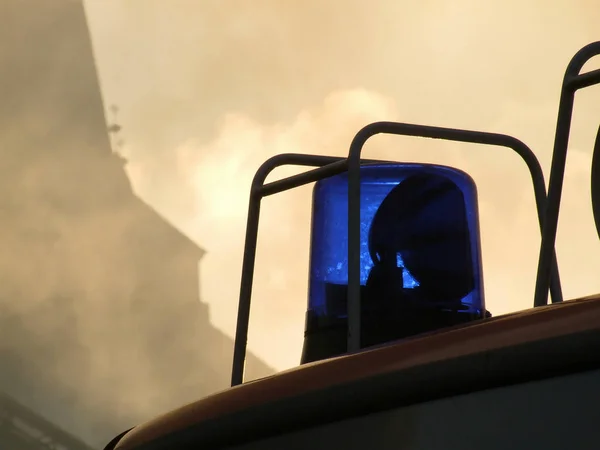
(420, 256)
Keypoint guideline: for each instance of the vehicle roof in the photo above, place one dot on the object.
(536, 324)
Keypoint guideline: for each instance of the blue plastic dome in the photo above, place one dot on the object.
(420, 247)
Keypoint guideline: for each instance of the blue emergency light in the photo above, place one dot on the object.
(420, 256)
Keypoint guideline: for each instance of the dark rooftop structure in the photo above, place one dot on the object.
(101, 322)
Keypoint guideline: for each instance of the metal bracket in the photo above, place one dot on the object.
(572, 82)
(329, 166)
(448, 134)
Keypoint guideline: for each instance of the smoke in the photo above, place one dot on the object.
(206, 93)
(101, 324)
(214, 91)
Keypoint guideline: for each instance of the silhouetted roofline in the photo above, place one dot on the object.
(185, 240)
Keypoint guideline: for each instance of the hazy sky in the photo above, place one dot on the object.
(208, 90)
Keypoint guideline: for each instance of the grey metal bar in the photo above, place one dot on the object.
(585, 80)
(572, 82)
(328, 166)
(595, 182)
(303, 178)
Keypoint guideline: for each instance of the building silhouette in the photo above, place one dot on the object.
(101, 324)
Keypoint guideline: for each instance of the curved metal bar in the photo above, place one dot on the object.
(595, 182)
(572, 82)
(450, 134)
(327, 166)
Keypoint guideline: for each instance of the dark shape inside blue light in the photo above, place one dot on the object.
(420, 245)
